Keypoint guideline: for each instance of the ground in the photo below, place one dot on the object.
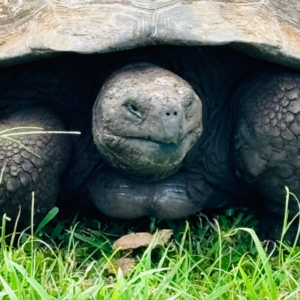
(214, 255)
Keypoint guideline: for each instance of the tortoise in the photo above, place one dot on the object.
(181, 105)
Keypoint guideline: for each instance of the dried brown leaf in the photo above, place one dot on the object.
(133, 241)
(165, 235)
(125, 264)
(140, 239)
(162, 237)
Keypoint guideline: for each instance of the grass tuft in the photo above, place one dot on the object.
(218, 257)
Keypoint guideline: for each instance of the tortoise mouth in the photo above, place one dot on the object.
(147, 146)
(144, 159)
(154, 141)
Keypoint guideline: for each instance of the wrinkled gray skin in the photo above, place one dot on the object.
(145, 121)
(195, 130)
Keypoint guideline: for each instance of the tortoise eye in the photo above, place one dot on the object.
(133, 109)
(188, 103)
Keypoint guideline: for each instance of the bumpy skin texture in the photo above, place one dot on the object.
(145, 120)
(214, 172)
(267, 136)
(175, 197)
(70, 84)
(31, 162)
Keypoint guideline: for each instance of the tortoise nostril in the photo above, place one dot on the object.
(174, 113)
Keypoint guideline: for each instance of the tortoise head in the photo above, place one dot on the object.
(145, 120)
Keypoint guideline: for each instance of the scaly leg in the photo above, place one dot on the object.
(31, 162)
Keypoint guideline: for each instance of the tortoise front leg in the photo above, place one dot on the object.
(31, 162)
(267, 133)
(177, 196)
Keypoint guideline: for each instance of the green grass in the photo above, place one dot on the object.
(215, 257)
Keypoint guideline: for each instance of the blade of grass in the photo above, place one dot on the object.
(14, 280)
(248, 284)
(22, 145)
(2, 173)
(220, 248)
(32, 230)
(298, 229)
(57, 231)
(102, 246)
(291, 296)
(39, 132)
(18, 128)
(33, 282)
(146, 273)
(3, 244)
(264, 261)
(50, 215)
(219, 291)
(15, 230)
(8, 289)
(285, 221)
(167, 280)
(8, 136)
(125, 290)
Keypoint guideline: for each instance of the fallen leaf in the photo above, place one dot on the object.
(165, 235)
(140, 239)
(133, 241)
(125, 264)
(161, 237)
